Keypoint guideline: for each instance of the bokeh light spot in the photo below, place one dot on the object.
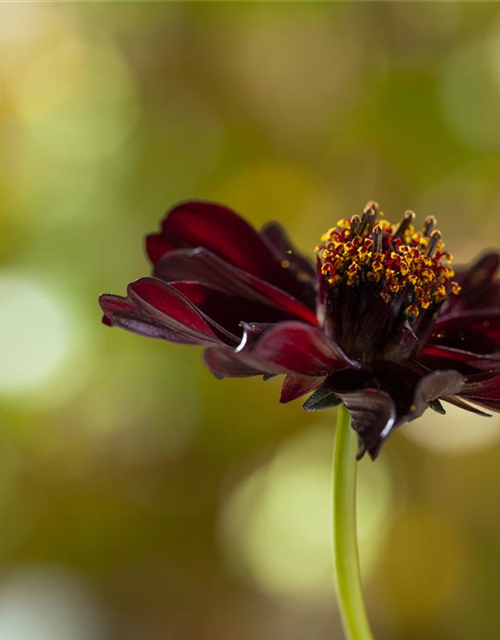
(458, 432)
(48, 603)
(78, 102)
(34, 334)
(276, 526)
(21, 26)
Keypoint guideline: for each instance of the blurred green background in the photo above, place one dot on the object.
(140, 498)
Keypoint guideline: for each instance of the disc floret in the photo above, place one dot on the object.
(401, 261)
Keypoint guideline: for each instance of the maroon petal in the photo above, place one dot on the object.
(225, 363)
(479, 283)
(121, 312)
(438, 357)
(294, 347)
(289, 347)
(487, 382)
(158, 244)
(111, 304)
(295, 387)
(225, 233)
(161, 304)
(204, 266)
(217, 228)
(477, 331)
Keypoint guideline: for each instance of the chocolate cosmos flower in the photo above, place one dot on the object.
(382, 323)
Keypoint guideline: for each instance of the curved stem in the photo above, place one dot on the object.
(352, 607)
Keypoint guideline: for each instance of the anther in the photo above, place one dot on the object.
(409, 217)
(371, 207)
(430, 224)
(378, 235)
(433, 243)
(355, 225)
(369, 216)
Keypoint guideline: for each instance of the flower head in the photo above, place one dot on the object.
(382, 324)
(367, 261)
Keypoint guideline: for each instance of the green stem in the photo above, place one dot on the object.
(352, 607)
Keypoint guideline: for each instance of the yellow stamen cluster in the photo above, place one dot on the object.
(400, 259)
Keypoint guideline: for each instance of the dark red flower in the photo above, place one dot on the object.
(382, 323)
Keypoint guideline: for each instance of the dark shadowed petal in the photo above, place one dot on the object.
(436, 385)
(362, 319)
(373, 416)
(280, 243)
(285, 252)
(488, 403)
(483, 389)
(477, 331)
(162, 304)
(295, 387)
(203, 266)
(401, 345)
(227, 310)
(412, 390)
(397, 394)
(479, 283)
(351, 380)
(225, 233)
(461, 404)
(252, 333)
(225, 363)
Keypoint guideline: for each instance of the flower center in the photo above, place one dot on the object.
(402, 262)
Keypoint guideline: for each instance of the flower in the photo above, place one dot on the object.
(382, 323)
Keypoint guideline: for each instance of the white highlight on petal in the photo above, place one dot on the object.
(388, 427)
(242, 344)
